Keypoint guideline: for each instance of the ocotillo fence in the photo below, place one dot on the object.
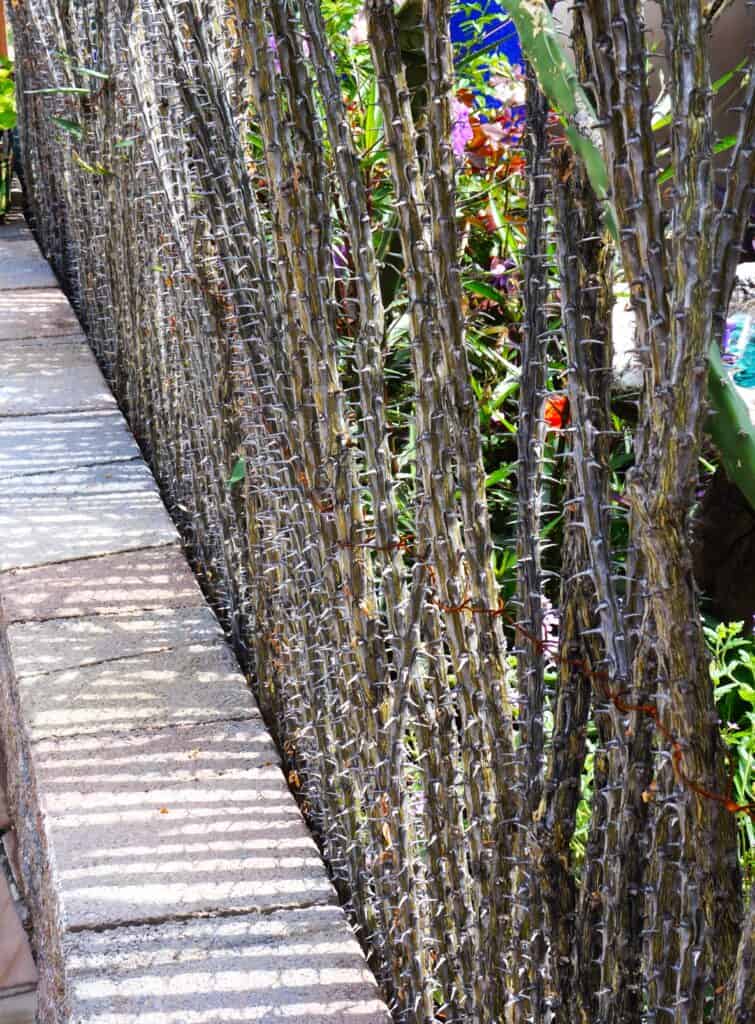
(196, 193)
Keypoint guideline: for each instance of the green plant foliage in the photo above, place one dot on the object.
(559, 82)
(238, 473)
(7, 96)
(730, 426)
(71, 127)
(732, 669)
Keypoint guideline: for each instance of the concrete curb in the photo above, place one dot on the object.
(168, 870)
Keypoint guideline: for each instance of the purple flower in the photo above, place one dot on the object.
(272, 44)
(500, 274)
(461, 128)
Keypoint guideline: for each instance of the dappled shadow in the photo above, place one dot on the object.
(147, 578)
(30, 444)
(50, 375)
(21, 263)
(35, 313)
(175, 822)
(298, 966)
(148, 691)
(70, 643)
(91, 511)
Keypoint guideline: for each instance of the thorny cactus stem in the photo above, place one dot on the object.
(204, 272)
(558, 80)
(730, 426)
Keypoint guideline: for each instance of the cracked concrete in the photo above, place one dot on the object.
(133, 693)
(169, 871)
(34, 312)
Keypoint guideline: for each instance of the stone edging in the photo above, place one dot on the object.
(168, 871)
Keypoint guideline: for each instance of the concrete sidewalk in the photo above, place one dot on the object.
(168, 870)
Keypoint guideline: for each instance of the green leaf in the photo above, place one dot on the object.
(551, 526)
(499, 475)
(238, 473)
(67, 90)
(7, 103)
(730, 426)
(727, 142)
(502, 391)
(91, 72)
(487, 291)
(72, 127)
(373, 120)
(724, 79)
(93, 169)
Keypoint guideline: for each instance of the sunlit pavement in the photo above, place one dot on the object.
(171, 877)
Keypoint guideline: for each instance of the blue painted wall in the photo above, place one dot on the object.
(500, 37)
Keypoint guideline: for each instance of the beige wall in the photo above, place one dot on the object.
(732, 42)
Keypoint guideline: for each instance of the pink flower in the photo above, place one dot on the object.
(461, 127)
(510, 90)
(357, 34)
(272, 44)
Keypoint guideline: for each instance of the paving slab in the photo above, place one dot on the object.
(22, 265)
(62, 441)
(174, 823)
(18, 1007)
(133, 581)
(146, 692)
(58, 644)
(35, 313)
(98, 510)
(298, 967)
(168, 870)
(14, 227)
(57, 374)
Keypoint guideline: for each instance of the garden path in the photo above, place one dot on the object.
(167, 869)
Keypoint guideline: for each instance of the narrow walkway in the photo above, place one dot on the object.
(169, 873)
